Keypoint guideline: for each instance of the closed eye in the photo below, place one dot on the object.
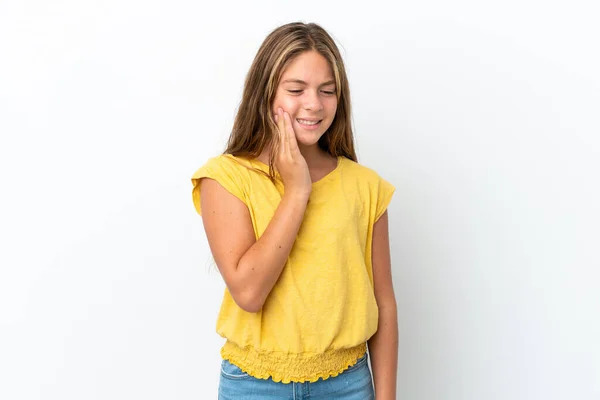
(327, 92)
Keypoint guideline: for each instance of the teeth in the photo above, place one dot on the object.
(302, 121)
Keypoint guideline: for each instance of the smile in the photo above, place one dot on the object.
(307, 122)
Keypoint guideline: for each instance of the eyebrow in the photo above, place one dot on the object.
(300, 81)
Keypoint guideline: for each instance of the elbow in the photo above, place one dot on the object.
(246, 292)
(248, 301)
(252, 307)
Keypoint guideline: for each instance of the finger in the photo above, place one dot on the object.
(280, 129)
(277, 134)
(284, 133)
(291, 135)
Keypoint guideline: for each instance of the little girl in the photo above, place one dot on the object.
(299, 232)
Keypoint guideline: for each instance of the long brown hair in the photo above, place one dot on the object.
(254, 127)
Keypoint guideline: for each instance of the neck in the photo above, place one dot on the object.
(313, 155)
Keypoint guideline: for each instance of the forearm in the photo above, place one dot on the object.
(383, 350)
(260, 267)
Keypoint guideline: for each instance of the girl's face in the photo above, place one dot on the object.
(307, 92)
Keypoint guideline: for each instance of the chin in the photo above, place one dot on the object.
(307, 139)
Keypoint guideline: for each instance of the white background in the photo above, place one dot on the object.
(484, 115)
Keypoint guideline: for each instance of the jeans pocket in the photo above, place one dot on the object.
(232, 371)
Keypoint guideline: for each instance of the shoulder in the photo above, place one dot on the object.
(226, 167)
(220, 163)
(229, 171)
(361, 172)
(371, 186)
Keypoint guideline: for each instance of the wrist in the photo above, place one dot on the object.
(297, 195)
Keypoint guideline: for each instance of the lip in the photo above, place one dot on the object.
(310, 119)
(310, 127)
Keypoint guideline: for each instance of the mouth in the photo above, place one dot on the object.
(309, 123)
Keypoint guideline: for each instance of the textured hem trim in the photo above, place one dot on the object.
(292, 367)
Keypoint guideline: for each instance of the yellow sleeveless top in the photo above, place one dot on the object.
(319, 315)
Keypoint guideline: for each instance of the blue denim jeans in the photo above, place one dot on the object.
(355, 383)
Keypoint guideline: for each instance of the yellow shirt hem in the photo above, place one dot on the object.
(290, 367)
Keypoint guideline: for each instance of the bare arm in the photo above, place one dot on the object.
(249, 267)
(383, 345)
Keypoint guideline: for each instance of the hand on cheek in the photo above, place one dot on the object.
(278, 111)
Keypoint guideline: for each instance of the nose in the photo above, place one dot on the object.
(312, 101)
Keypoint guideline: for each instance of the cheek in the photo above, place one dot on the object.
(288, 103)
(332, 108)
